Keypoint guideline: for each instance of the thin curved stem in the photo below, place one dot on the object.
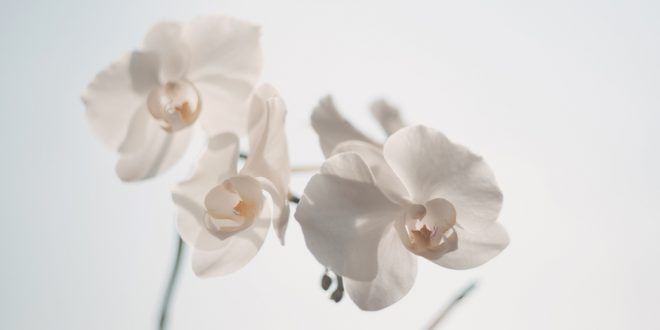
(304, 168)
(438, 318)
(165, 305)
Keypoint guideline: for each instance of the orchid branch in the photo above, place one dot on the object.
(165, 305)
(444, 312)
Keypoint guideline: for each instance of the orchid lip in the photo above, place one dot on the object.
(175, 105)
(426, 229)
(231, 206)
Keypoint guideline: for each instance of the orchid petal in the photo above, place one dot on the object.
(281, 209)
(387, 115)
(223, 110)
(152, 149)
(233, 252)
(269, 156)
(215, 165)
(343, 215)
(474, 248)
(116, 94)
(397, 269)
(332, 128)
(385, 178)
(165, 40)
(430, 166)
(225, 64)
(224, 52)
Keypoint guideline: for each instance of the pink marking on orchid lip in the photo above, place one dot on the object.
(434, 231)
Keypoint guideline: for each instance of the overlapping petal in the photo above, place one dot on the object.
(269, 155)
(116, 94)
(343, 215)
(235, 251)
(474, 248)
(385, 178)
(223, 110)
(151, 150)
(215, 165)
(225, 64)
(430, 166)
(222, 46)
(332, 128)
(387, 116)
(397, 269)
(224, 213)
(165, 41)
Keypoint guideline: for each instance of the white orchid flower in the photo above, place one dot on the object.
(333, 129)
(144, 104)
(223, 213)
(370, 212)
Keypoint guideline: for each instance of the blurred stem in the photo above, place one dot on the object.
(165, 305)
(304, 168)
(444, 312)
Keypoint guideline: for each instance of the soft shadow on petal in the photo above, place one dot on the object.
(158, 151)
(281, 210)
(162, 36)
(136, 134)
(222, 110)
(217, 163)
(116, 93)
(397, 269)
(430, 166)
(269, 153)
(474, 248)
(343, 215)
(144, 72)
(332, 128)
(166, 42)
(386, 179)
(234, 252)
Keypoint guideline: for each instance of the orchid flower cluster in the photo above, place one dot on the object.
(368, 213)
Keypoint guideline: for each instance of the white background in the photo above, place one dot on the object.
(561, 98)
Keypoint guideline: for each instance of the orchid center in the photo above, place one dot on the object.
(428, 226)
(175, 105)
(232, 205)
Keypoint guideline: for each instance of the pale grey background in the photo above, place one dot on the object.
(560, 97)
